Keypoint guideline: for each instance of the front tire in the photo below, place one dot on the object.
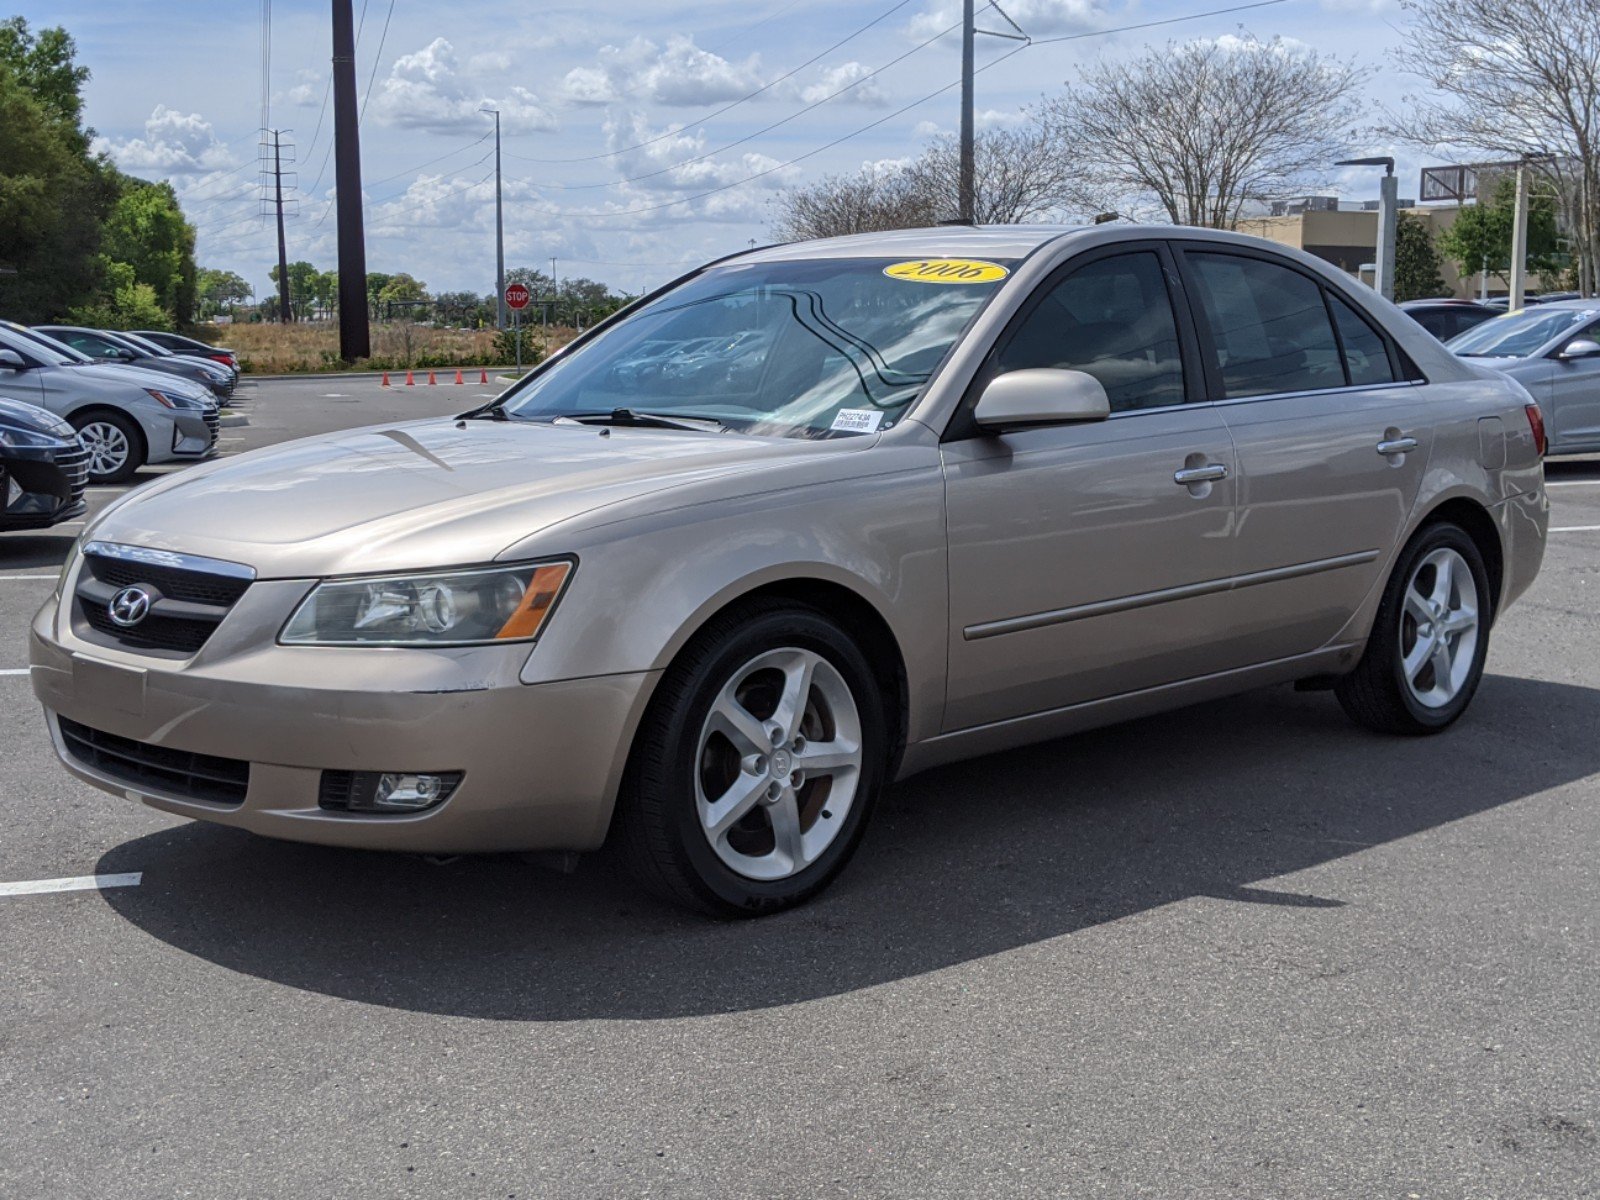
(116, 449)
(757, 765)
(1425, 655)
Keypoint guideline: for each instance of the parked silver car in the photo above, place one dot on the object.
(126, 416)
(979, 487)
(1553, 351)
(129, 350)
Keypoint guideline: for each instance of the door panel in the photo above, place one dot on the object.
(1046, 522)
(1574, 414)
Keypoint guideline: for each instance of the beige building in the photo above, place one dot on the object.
(1349, 238)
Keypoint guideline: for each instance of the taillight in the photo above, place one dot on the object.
(1536, 424)
(225, 359)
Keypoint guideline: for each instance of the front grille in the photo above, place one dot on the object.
(74, 464)
(186, 604)
(159, 768)
(214, 423)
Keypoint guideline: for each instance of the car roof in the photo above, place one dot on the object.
(944, 241)
(1440, 302)
(1557, 305)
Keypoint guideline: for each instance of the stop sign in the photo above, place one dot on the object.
(518, 296)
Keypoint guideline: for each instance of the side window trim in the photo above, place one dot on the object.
(960, 425)
(1212, 364)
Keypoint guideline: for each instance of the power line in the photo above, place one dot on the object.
(1215, 12)
(732, 104)
(431, 161)
(376, 59)
(898, 112)
(624, 212)
(725, 42)
(578, 187)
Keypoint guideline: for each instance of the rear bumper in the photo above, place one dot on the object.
(1524, 522)
(541, 763)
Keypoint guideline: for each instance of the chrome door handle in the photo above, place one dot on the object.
(1402, 445)
(1209, 473)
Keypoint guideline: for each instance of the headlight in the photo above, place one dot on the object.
(175, 399)
(27, 438)
(447, 608)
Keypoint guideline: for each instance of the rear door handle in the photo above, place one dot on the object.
(1401, 445)
(1210, 473)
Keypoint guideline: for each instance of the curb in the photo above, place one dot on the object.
(233, 421)
(310, 377)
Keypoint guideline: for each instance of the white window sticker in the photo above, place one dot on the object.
(858, 420)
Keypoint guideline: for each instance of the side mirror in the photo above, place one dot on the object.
(1580, 348)
(10, 360)
(1041, 396)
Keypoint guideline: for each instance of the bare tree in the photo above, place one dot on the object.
(1208, 127)
(873, 199)
(1022, 174)
(1514, 78)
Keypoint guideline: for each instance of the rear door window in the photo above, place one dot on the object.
(1269, 326)
(1366, 355)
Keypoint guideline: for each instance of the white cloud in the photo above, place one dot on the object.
(174, 143)
(1038, 18)
(680, 73)
(425, 90)
(835, 79)
(927, 129)
(665, 159)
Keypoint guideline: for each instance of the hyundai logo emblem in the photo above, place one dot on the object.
(129, 606)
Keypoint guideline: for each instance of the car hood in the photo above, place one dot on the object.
(426, 493)
(16, 414)
(139, 377)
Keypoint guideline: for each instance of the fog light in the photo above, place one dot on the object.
(385, 791)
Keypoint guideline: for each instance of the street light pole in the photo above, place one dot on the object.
(1519, 240)
(499, 230)
(965, 184)
(1388, 221)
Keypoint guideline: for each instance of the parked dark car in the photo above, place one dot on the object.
(230, 371)
(192, 348)
(1446, 318)
(105, 346)
(43, 468)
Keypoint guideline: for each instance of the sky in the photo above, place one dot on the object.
(617, 160)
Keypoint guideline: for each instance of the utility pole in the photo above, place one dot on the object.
(965, 185)
(355, 336)
(499, 229)
(1519, 240)
(284, 311)
(1388, 221)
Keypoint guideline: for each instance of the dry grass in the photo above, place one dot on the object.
(269, 349)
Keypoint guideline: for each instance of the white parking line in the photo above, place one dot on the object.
(74, 883)
(14, 670)
(1575, 528)
(4, 577)
(1572, 483)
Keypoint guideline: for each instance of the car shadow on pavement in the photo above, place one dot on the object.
(961, 863)
(43, 549)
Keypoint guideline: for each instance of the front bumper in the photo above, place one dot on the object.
(541, 763)
(183, 434)
(42, 487)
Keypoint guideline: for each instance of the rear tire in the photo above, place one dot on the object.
(114, 443)
(757, 766)
(1425, 655)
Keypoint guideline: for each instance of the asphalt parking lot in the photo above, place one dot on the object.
(1242, 950)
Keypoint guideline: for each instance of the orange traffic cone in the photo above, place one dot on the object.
(458, 378)
(385, 382)
(410, 380)
(483, 376)
(432, 379)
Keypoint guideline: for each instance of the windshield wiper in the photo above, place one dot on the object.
(634, 416)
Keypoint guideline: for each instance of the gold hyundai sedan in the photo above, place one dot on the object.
(807, 520)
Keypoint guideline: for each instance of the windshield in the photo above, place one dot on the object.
(39, 347)
(795, 349)
(150, 349)
(1517, 335)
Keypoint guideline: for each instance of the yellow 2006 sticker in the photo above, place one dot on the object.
(947, 270)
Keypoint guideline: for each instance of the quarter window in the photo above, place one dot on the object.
(1111, 319)
(1366, 357)
(1269, 325)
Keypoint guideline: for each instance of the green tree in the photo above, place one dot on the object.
(302, 288)
(403, 288)
(218, 290)
(44, 64)
(325, 291)
(123, 303)
(147, 230)
(53, 196)
(1481, 233)
(1416, 261)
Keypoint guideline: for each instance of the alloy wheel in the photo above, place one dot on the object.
(1439, 628)
(778, 763)
(107, 446)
